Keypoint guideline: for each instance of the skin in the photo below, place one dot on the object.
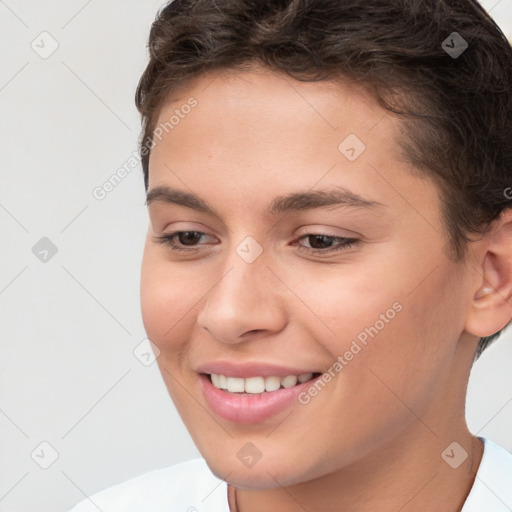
(372, 439)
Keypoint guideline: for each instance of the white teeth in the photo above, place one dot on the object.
(254, 385)
(216, 380)
(257, 385)
(289, 381)
(272, 383)
(235, 385)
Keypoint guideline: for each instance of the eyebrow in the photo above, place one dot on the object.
(293, 202)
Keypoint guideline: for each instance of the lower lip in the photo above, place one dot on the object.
(250, 408)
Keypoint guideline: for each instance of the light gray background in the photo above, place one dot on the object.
(69, 325)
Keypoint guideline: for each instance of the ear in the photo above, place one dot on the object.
(491, 306)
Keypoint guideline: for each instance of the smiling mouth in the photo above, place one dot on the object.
(257, 385)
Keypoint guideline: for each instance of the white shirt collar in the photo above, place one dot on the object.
(492, 488)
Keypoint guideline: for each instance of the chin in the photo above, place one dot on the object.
(264, 474)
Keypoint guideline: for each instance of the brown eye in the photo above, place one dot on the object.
(188, 237)
(320, 241)
(184, 239)
(323, 244)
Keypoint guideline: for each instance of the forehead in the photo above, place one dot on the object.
(264, 96)
(260, 130)
(261, 113)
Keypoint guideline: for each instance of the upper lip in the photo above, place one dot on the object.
(250, 369)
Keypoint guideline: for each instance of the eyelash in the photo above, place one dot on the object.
(343, 245)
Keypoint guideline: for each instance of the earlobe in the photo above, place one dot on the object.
(491, 307)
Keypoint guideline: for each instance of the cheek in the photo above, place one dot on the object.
(344, 306)
(411, 355)
(166, 300)
(379, 321)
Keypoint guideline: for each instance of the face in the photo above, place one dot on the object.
(345, 278)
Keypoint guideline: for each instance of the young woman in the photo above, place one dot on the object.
(328, 252)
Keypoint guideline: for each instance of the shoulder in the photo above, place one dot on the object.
(186, 487)
(491, 489)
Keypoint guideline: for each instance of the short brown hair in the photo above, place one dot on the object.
(456, 109)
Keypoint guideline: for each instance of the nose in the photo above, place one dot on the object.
(243, 303)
